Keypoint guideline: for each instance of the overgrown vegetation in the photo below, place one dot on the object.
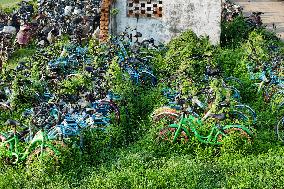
(128, 156)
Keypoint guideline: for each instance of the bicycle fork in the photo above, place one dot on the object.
(177, 133)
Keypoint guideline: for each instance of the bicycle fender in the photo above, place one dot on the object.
(239, 127)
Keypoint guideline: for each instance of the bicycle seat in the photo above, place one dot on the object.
(90, 109)
(218, 116)
(23, 134)
(5, 106)
(224, 104)
(11, 122)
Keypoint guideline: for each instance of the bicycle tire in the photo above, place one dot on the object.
(279, 130)
(147, 78)
(167, 135)
(277, 100)
(247, 111)
(166, 113)
(112, 108)
(227, 130)
(49, 155)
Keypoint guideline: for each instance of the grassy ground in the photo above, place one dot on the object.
(136, 160)
(137, 166)
(7, 3)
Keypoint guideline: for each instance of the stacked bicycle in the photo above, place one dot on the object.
(217, 102)
(134, 56)
(268, 77)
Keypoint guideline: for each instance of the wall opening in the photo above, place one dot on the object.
(145, 8)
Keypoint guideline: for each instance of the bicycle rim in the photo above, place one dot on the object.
(279, 129)
(244, 133)
(46, 154)
(167, 134)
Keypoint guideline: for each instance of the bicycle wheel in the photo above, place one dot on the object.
(47, 154)
(168, 134)
(279, 130)
(243, 132)
(2, 138)
(166, 113)
(147, 78)
(269, 91)
(277, 100)
(244, 113)
(107, 107)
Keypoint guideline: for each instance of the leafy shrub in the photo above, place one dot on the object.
(235, 32)
(128, 155)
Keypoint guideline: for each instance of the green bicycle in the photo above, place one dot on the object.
(189, 124)
(37, 149)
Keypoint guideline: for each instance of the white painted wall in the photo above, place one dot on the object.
(202, 16)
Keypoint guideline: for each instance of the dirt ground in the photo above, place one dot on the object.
(273, 12)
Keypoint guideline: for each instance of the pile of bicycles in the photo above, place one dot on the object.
(269, 80)
(267, 76)
(230, 11)
(77, 19)
(66, 94)
(135, 56)
(54, 120)
(16, 24)
(217, 104)
(6, 47)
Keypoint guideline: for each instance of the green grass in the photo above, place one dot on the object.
(8, 3)
(138, 166)
(136, 160)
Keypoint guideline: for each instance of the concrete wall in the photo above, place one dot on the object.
(202, 16)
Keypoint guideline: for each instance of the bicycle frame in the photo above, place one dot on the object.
(104, 106)
(41, 138)
(192, 122)
(13, 143)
